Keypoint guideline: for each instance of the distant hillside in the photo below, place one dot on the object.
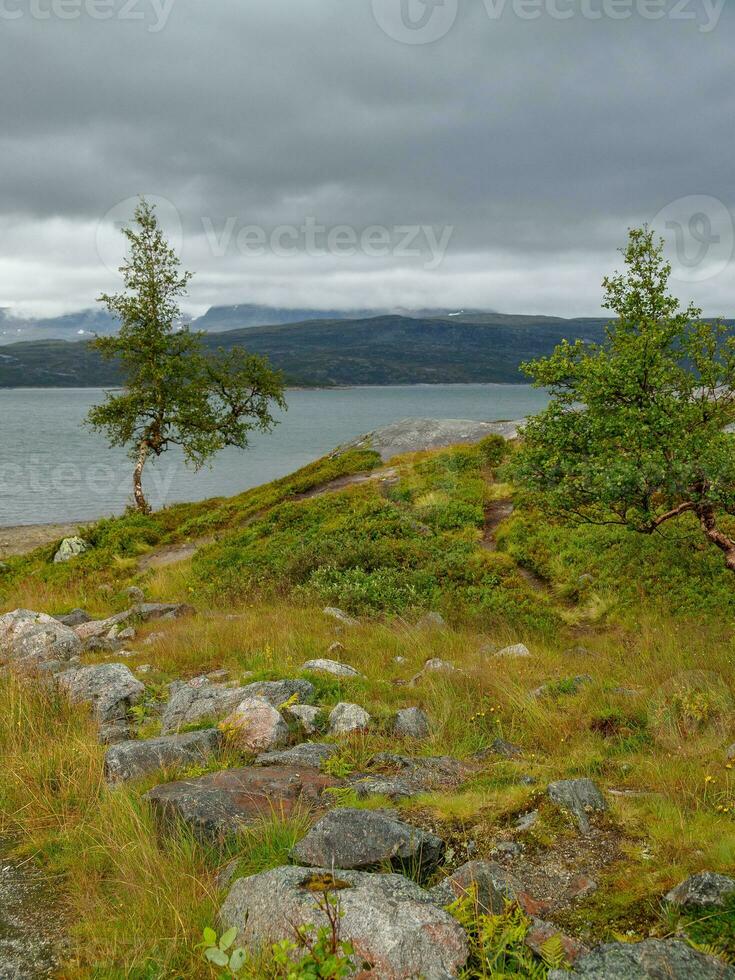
(372, 351)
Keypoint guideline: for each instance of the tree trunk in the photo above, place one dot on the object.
(140, 502)
(727, 545)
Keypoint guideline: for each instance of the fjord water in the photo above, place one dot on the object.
(54, 470)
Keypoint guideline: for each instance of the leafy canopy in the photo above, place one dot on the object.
(634, 432)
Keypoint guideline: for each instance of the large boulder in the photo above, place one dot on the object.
(139, 757)
(110, 689)
(192, 704)
(30, 639)
(363, 839)
(221, 803)
(390, 921)
(70, 548)
(580, 797)
(703, 890)
(653, 959)
(255, 726)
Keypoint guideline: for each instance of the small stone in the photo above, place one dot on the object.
(146, 611)
(323, 666)
(509, 751)
(527, 781)
(361, 839)
(432, 620)
(402, 660)
(582, 887)
(508, 848)
(579, 797)
(126, 634)
(74, 618)
(255, 726)
(703, 890)
(411, 723)
(527, 820)
(515, 650)
(145, 668)
(134, 593)
(346, 718)
(336, 649)
(306, 715)
(569, 685)
(340, 616)
(491, 884)
(71, 548)
(153, 638)
(434, 666)
(540, 933)
(308, 755)
(730, 754)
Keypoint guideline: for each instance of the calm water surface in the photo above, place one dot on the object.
(53, 469)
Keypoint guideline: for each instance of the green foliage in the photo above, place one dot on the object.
(219, 952)
(175, 394)
(634, 433)
(497, 943)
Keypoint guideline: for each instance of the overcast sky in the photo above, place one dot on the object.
(479, 154)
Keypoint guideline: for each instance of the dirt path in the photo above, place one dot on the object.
(22, 538)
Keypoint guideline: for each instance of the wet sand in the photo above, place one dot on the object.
(22, 538)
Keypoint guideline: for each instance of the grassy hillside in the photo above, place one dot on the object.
(631, 636)
(378, 350)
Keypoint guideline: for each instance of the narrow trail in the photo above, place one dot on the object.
(174, 553)
(496, 512)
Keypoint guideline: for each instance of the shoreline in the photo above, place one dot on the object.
(18, 539)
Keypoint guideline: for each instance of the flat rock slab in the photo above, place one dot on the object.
(135, 758)
(192, 705)
(221, 803)
(30, 639)
(425, 772)
(414, 435)
(362, 839)
(653, 959)
(308, 755)
(390, 921)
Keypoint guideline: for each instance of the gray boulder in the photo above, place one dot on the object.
(135, 758)
(100, 628)
(323, 666)
(341, 616)
(306, 715)
(703, 890)
(490, 884)
(515, 650)
(411, 723)
(134, 593)
(29, 639)
(309, 755)
(110, 689)
(199, 701)
(390, 921)
(70, 548)
(362, 839)
(346, 718)
(147, 611)
(580, 797)
(653, 959)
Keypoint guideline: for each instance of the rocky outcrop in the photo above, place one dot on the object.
(362, 839)
(390, 921)
(653, 959)
(414, 435)
(224, 802)
(135, 758)
(70, 548)
(32, 640)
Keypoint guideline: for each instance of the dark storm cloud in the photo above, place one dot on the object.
(538, 140)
